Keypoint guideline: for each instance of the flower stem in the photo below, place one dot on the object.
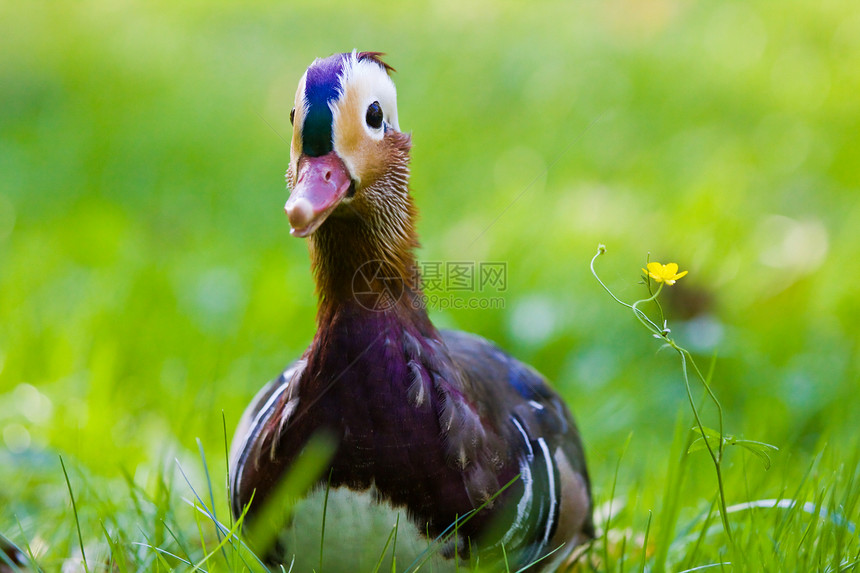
(663, 334)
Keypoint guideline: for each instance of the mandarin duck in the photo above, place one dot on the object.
(472, 448)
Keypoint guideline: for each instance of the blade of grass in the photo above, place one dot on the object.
(691, 555)
(536, 561)
(325, 512)
(201, 508)
(709, 566)
(645, 542)
(385, 549)
(227, 465)
(163, 552)
(32, 557)
(235, 541)
(606, 526)
(440, 539)
(228, 537)
(177, 540)
(211, 493)
(394, 546)
(115, 552)
(304, 473)
(457, 544)
(505, 558)
(75, 511)
(671, 509)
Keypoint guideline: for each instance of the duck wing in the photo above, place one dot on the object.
(510, 399)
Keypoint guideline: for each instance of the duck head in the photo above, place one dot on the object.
(346, 140)
(349, 169)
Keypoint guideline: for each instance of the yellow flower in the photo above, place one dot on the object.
(664, 273)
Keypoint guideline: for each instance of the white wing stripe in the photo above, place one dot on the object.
(553, 505)
(257, 424)
(525, 504)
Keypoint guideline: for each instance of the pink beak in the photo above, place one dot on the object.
(321, 184)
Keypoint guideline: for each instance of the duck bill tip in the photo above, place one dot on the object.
(321, 184)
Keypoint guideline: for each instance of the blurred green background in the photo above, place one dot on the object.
(148, 281)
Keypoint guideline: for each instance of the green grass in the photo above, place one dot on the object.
(149, 285)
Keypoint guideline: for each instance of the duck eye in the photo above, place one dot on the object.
(374, 115)
(292, 115)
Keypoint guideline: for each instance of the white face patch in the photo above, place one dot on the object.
(358, 144)
(364, 82)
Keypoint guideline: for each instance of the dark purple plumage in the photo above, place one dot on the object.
(387, 436)
(433, 422)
